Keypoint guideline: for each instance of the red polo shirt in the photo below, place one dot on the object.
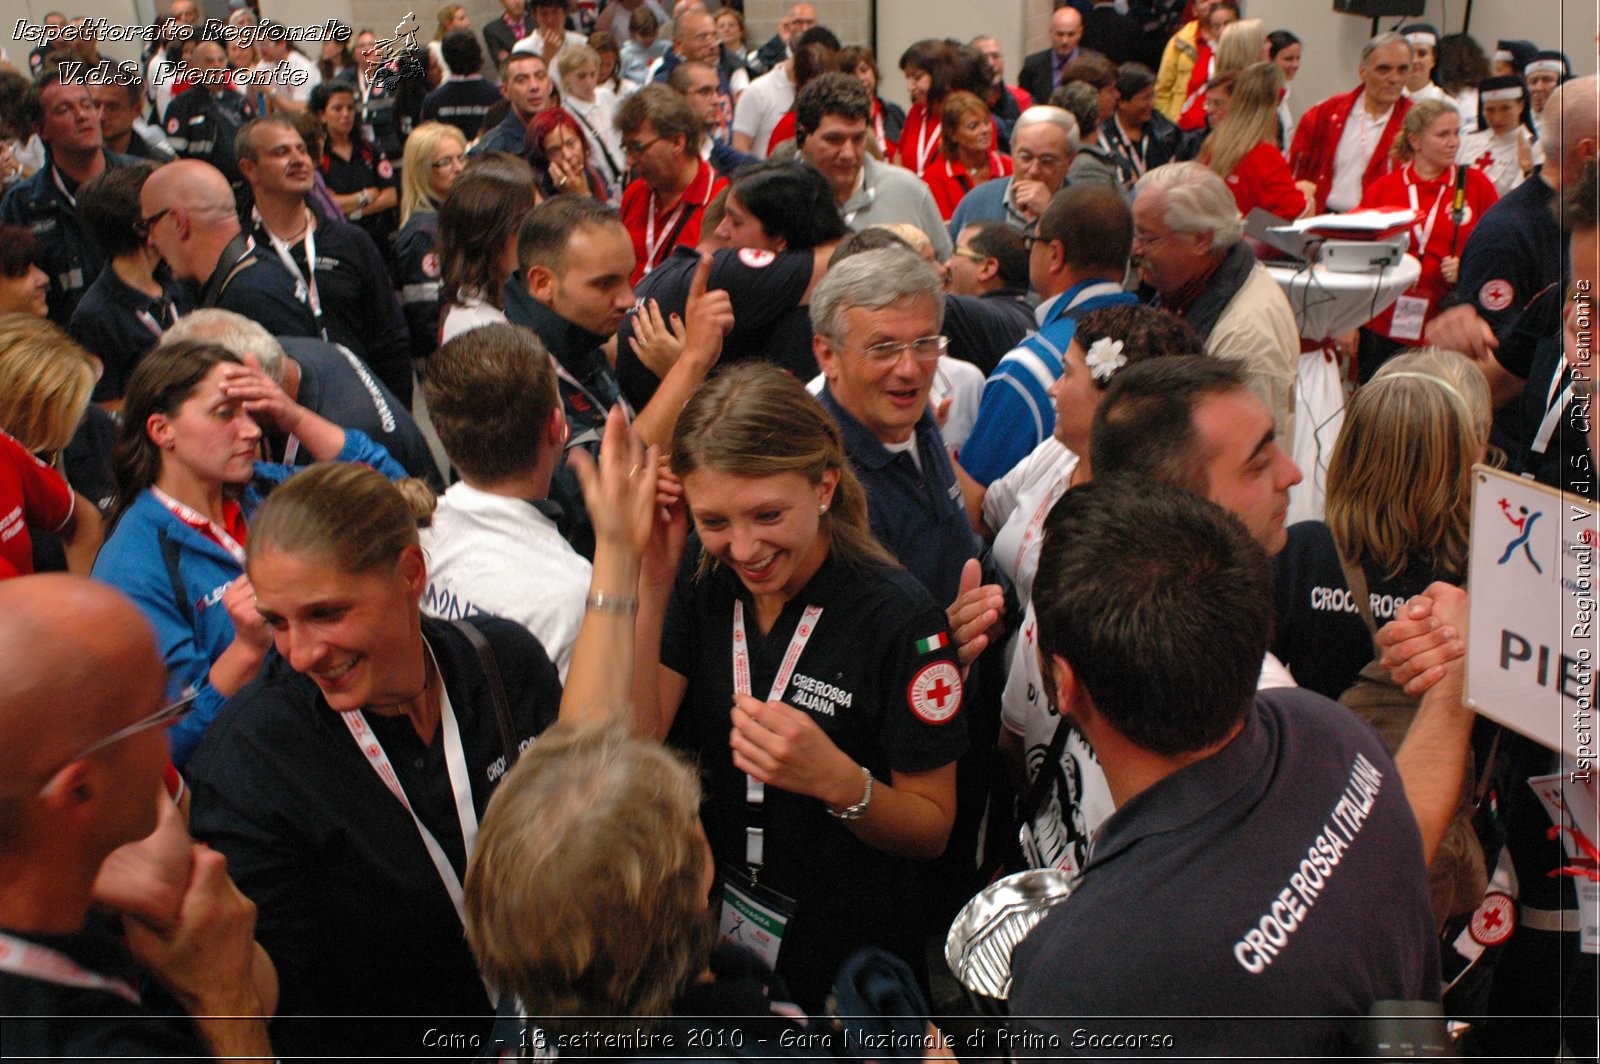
(654, 238)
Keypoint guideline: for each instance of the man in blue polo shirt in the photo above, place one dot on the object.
(1076, 264)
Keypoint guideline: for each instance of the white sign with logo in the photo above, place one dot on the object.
(1531, 650)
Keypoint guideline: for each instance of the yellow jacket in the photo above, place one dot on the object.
(1177, 64)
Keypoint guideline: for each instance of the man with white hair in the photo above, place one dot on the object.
(1187, 240)
(1043, 144)
(325, 378)
(1343, 147)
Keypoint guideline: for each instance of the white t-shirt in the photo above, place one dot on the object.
(765, 102)
(468, 316)
(498, 555)
(1356, 145)
(1496, 155)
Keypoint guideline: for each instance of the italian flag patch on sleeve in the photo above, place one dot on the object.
(929, 644)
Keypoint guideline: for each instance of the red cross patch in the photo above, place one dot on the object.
(1496, 294)
(935, 692)
(1484, 161)
(1495, 919)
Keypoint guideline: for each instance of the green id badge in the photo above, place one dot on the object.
(753, 916)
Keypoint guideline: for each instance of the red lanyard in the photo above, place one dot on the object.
(755, 791)
(222, 537)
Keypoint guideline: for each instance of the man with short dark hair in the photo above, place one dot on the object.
(664, 206)
(127, 309)
(1076, 263)
(463, 97)
(525, 83)
(1343, 147)
(84, 821)
(68, 122)
(573, 291)
(988, 310)
(550, 36)
(336, 265)
(493, 543)
(501, 34)
(694, 36)
(697, 83)
(831, 116)
(1277, 814)
(121, 128)
(202, 122)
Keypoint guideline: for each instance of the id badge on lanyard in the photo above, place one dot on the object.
(754, 915)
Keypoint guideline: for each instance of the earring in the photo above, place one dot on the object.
(822, 509)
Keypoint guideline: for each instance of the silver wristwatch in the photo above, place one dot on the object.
(857, 811)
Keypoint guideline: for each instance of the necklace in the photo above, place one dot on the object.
(427, 683)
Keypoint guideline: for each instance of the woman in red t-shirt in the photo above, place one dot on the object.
(1243, 150)
(1427, 145)
(969, 157)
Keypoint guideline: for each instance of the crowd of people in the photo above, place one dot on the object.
(529, 537)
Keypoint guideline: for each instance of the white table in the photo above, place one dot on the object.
(1327, 304)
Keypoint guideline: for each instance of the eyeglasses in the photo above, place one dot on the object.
(968, 253)
(924, 349)
(143, 226)
(638, 147)
(453, 162)
(1144, 240)
(1027, 158)
(168, 714)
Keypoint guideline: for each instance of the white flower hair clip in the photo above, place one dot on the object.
(1105, 357)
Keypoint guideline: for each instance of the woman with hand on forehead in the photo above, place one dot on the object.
(187, 481)
(815, 680)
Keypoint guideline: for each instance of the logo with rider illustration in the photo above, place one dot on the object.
(1522, 522)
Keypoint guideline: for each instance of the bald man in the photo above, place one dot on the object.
(188, 216)
(1041, 71)
(82, 755)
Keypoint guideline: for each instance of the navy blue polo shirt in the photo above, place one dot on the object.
(109, 325)
(462, 102)
(1515, 252)
(770, 324)
(983, 328)
(916, 513)
(257, 286)
(1252, 902)
(339, 386)
(359, 306)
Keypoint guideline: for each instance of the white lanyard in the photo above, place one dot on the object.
(61, 186)
(149, 322)
(1136, 150)
(755, 791)
(312, 299)
(195, 519)
(1424, 234)
(926, 148)
(291, 449)
(877, 128)
(29, 959)
(652, 245)
(455, 761)
(1555, 406)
